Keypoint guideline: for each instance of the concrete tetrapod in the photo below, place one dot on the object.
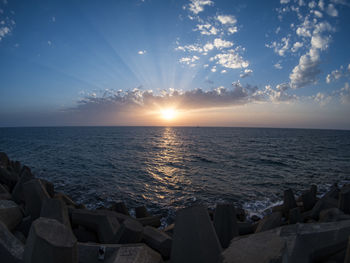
(158, 240)
(34, 195)
(11, 249)
(49, 241)
(225, 223)
(194, 237)
(10, 214)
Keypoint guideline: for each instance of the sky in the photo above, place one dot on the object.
(283, 63)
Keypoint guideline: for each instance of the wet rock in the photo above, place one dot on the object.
(158, 240)
(10, 214)
(344, 200)
(11, 249)
(194, 237)
(49, 241)
(295, 216)
(141, 211)
(150, 221)
(34, 195)
(255, 218)
(288, 201)
(241, 214)
(120, 207)
(130, 231)
(270, 221)
(225, 223)
(332, 193)
(16, 166)
(56, 209)
(18, 191)
(4, 194)
(117, 253)
(322, 204)
(105, 226)
(8, 178)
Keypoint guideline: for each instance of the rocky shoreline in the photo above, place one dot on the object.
(38, 224)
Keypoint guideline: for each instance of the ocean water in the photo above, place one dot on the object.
(166, 168)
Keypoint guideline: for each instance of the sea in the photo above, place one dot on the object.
(168, 168)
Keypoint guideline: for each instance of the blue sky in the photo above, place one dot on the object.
(217, 63)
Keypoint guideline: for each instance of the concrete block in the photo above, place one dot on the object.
(129, 232)
(288, 201)
(157, 240)
(4, 194)
(295, 216)
(120, 207)
(117, 253)
(18, 191)
(344, 200)
(194, 238)
(268, 222)
(11, 249)
(309, 200)
(56, 209)
(225, 223)
(10, 214)
(34, 195)
(49, 241)
(105, 226)
(85, 235)
(141, 211)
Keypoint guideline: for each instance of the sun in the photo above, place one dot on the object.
(168, 114)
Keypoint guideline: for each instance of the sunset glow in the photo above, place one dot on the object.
(168, 114)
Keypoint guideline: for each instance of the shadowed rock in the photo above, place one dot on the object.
(158, 240)
(347, 256)
(194, 237)
(246, 228)
(332, 215)
(225, 223)
(34, 194)
(66, 199)
(141, 211)
(288, 201)
(322, 204)
(309, 200)
(85, 235)
(105, 226)
(4, 194)
(50, 188)
(10, 214)
(56, 209)
(120, 207)
(25, 225)
(344, 200)
(8, 178)
(269, 222)
(11, 249)
(4, 160)
(150, 221)
(18, 191)
(49, 241)
(295, 216)
(130, 231)
(117, 253)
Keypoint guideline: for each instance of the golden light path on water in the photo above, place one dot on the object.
(165, 168)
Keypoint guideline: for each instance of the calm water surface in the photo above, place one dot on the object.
(166, 168)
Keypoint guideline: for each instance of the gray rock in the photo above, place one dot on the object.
(105, 226)
(246, 228)
(158, 240)
(56, 209)
(295, 216)
(194, 237)
(129, 232)
(18, 191)
(117, 253)
(322, 204)
(344, 200)
(34, 195)
(268, 222)
(49, 241)
(141, 211)
(4, 194)
(11, 249)
(225, 223)
(288, 201)
(10, 214)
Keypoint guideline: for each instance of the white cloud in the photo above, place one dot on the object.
(53, 19)
(232, 30)
(49, 43)
(220, 43)
(322, 98)
(312, 4)
(213, 69)
(188, 60)
(197, 6)
(278, 66)
(142, 52)
(345, 94)
(317, 13)
(278, 95)
(321, 4)
(338, 73)
(296, 46)
(332, 11)
(207, 29)
(223, 71)
(4, 31)
(284, 1)
(230, 59)
(280, 48)
(246, 73)
(227, 19)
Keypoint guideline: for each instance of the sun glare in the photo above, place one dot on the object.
(168, 114)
